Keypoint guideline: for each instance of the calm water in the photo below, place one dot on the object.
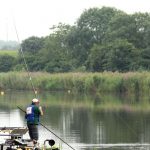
(84, 122)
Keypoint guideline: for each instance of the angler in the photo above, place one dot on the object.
(33, 112)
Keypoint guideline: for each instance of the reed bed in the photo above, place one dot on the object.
(131, 82)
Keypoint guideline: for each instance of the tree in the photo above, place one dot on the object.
(145, 59)
(96, 22)
(6, 63)
(97, 58)
(135, 28)
(90, 29)
(142, 24)
(32, 45)
(121, 26)
(121, 56)
(114, 56)
(55, 52)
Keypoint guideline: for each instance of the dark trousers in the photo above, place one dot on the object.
(33, 131)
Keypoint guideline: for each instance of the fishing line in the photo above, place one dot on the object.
(26, 65)
(50, 131)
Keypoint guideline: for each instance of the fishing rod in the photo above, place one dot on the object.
(26, 65)
(50, 131)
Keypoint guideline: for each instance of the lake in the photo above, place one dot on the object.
(86, 122)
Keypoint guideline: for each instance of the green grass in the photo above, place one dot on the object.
(13, 53)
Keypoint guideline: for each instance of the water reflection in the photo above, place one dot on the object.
(85, 122)
(10, 118)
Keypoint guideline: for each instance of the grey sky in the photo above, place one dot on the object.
(35, 17)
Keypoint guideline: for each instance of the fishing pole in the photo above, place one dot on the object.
(26, 65)
(50, 131)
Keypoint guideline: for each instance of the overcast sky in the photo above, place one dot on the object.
(35, 17)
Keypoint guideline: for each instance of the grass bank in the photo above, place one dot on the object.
(131, 82)
(13, 53)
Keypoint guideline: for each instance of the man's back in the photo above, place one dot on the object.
(32, 114)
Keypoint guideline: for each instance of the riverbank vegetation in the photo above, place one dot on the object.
(123, 83)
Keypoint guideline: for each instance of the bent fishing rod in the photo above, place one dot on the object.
(50, 131)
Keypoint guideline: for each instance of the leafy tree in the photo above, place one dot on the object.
(6, 63)
(90, 29)
(33, 62)
(135, 28)
(96, 22)
(145, 59)
(121, 56)
(56, 53)
(142, 24)
(115, 56)
(30, 48)
(121, 26)
(97, 58)
(32, 44)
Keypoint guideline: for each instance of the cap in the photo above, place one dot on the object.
(35, 100)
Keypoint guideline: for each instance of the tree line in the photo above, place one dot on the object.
(102, 39)
(8, 45)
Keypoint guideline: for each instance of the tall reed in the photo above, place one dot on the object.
(131, 82)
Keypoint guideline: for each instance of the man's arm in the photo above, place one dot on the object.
(41, 111)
